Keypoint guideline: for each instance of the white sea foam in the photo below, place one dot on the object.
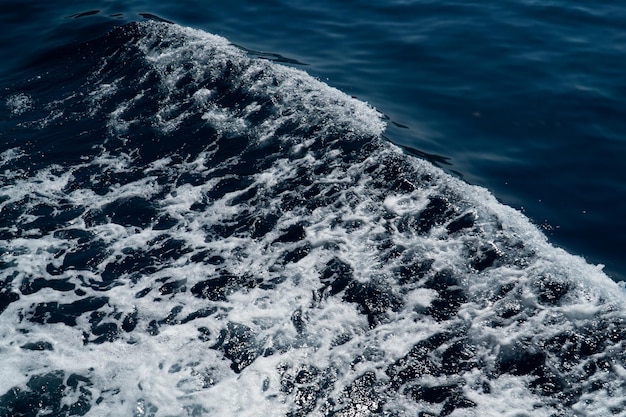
(19, 103)
(286, 334)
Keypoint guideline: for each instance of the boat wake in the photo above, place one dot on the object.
(186, 230)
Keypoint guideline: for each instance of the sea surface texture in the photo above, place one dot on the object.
(191, 225)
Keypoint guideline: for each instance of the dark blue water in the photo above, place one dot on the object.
(524, 98)
(321, 210)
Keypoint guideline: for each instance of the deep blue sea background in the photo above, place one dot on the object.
(526, 98)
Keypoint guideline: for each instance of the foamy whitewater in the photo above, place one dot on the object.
(226, 236)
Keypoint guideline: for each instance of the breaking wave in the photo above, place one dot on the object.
(189, 230)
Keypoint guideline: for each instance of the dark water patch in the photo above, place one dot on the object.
(374, 299)
(102, 330)
(509, 308)
(435, 394)
(205, 334)
(6, 295)
(130, 321)
(79, 235)
(164, 222)
(263, 224)
(238, 343)
(40, 345)
(11, 213)
(411, 271)
(153, 328)
(165, 248)
(47, 392)
(207, 257)
(450, 296)
(296, 254)
(484, 257)
(552, 289)
(308, 385)
(459, 357)
(173, 287)
(143, 293)
(221, 286)
(202, 313)
(335, 276)
(172, 317)
(133, 211)
(298, 319)
(437, 211)
(133, 263)
(293, 233)
(520, 360)
(240, 224)
(87, 256)
(31, 286)
(456, 358)
(417, 362)
(55, 312)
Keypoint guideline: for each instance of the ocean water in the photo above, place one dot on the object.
(318, 209)
(523, 98)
